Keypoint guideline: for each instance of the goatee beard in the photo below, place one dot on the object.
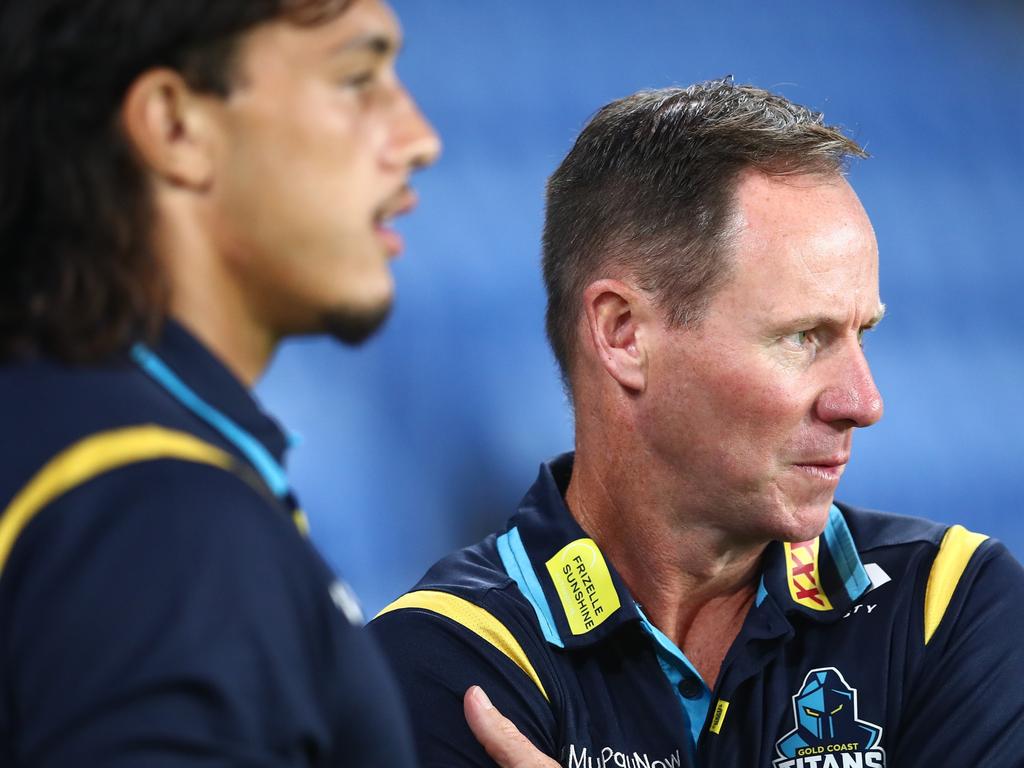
(353, 326)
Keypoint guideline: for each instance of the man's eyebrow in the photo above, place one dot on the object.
(814, 321)
(375, 43)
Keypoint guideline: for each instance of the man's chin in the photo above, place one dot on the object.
(808, 522)
(353, 326)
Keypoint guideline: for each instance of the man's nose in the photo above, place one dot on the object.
(852, 396)
(415, 143)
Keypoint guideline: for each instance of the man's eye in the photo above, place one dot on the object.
(798, 340)
(360, 80)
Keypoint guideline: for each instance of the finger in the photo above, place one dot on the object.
(499, 735)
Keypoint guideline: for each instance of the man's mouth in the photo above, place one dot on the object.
(399, 205)
(828, 468)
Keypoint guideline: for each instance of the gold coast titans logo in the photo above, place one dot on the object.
(828, 733)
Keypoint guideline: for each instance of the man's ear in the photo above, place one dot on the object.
(616, 316)
(170, 127)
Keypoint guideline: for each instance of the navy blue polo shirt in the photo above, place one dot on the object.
(887, 641)
(158, 605)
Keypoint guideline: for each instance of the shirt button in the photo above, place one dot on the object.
(690, 687)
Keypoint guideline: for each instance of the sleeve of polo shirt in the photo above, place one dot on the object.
(166, 615)
(435, 660)
(966, 705)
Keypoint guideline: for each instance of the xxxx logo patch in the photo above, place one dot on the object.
(804, 577)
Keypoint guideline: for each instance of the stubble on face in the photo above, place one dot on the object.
(353, 326)
(756, 406)
(320, 139)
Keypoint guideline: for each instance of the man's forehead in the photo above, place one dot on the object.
(366, 25)
(766, 200)
(805, 218)
(802, 247)
(359, 27)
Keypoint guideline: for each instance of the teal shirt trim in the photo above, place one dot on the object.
(676, 666)
(762, 591)
(844, 554)
(517, 566)
(263, 462)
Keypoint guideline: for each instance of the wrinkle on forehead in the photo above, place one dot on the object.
(832, 269)
(805, 246)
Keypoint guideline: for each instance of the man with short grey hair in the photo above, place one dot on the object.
(683, 590)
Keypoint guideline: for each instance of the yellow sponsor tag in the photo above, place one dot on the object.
(719, 717)
(584, 585)
(804, 577)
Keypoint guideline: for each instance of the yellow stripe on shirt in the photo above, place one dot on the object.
(955, 551)
(92, 456)
(474, 618)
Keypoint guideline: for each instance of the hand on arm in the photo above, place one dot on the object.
(499, 735)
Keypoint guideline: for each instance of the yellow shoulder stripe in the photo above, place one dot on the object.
(474, 618)
(955, 552)
(301, 522)
(92, 456)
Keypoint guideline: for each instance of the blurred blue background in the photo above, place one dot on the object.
(425, 439)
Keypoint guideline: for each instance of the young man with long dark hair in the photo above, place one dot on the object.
(182, 185)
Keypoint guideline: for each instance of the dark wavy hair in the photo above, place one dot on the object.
(78, 277)
(647, 190)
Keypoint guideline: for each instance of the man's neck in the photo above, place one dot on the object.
(693, 582)
(209, 301)
(239, 346)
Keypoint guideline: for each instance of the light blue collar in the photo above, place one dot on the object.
(255, 452)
